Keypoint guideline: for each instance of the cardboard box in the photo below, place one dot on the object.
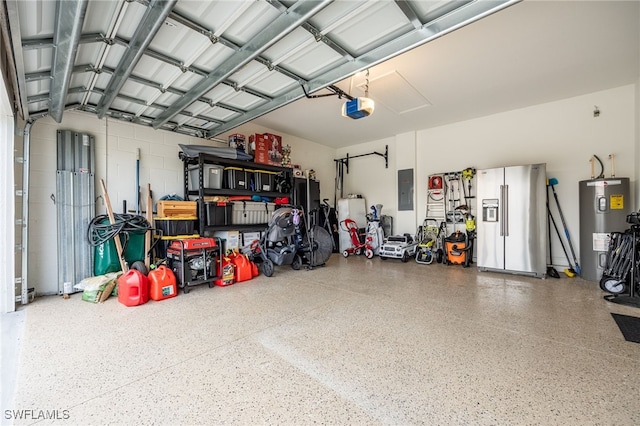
(267, 148)
(231, 240)
(250, 237)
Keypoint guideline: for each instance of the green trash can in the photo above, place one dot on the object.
(105, 255)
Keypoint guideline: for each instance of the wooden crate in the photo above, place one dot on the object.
(183, 209)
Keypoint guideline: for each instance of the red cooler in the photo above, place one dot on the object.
(133, 288)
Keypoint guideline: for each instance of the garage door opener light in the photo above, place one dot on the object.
(359, 107)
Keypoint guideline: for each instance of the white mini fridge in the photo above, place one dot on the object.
(354, 209)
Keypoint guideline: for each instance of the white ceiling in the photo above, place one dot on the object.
(530, 53)
(205, 67)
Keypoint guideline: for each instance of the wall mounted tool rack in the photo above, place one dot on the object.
(342, 163)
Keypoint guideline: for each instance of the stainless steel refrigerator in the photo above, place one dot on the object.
(512, 227)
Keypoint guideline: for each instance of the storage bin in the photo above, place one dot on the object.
(211, 177)
(172, 226)
(177, 209)
(235, 178)
(264, 180)
(218, 214)
(251, 212)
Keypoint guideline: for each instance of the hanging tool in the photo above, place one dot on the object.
(570, 271)
(467, 175)
(147, 235)
(553, 182)
(137, 180)
(551, 271)
(112, 220)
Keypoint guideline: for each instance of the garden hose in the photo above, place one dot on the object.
(101, 231)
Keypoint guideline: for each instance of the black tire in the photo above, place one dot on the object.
(267, 268)
(297, 262)
(439, 256)
(383, 258)
(345, 253)
(405, 257)
(186, 289)
(140, 266)
(613, 285)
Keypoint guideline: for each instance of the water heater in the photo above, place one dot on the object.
(604, 206)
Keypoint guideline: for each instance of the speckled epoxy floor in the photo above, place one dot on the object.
(358, 342)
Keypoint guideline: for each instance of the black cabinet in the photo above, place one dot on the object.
(300, 194)
(236, 177)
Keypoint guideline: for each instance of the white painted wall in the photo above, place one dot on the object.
(562, 134)
(406, 158)
(116, 144)
(7, 196)
(368, 176)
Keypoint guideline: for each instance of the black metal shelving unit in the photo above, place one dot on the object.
(193, 163)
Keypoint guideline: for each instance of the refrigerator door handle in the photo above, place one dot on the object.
(505, 210)
(501, 210)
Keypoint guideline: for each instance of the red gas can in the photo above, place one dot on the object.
(162, 283)
(243, 267)
(133, 288)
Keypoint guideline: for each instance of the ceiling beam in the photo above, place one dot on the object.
(151, 22)
(47, 42)
(45, 75)
(47, 96)
(463, 15)
(18, 59)
(172, 90)
(408, 11)
(7, 55)
(281, 26)
(69, 19)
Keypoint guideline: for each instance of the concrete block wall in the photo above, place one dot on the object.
(116, 143)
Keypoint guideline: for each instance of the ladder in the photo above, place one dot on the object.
(436, 198)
